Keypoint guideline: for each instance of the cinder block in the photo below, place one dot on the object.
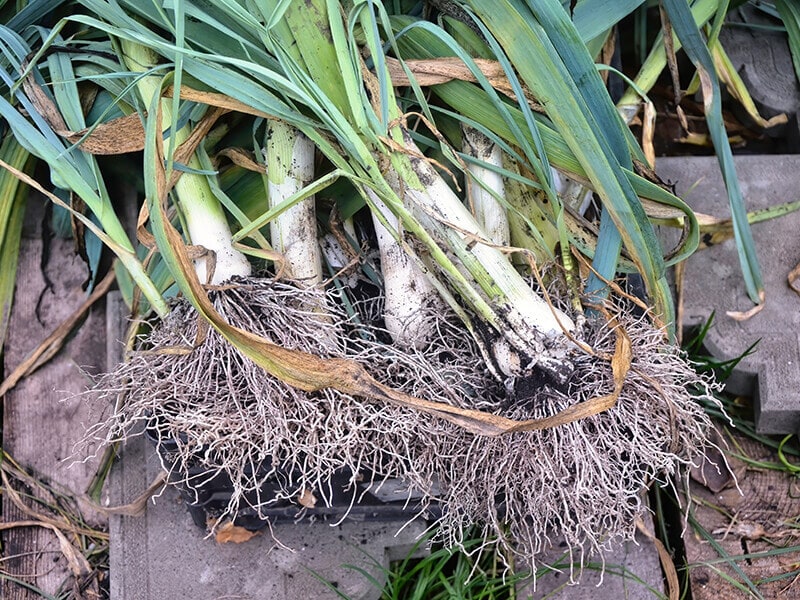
(763, 60)
(713, 281)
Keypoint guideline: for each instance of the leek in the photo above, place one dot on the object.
(205, 220)
(488, 210)
(409, 296)
(502, 298)
(290, 160)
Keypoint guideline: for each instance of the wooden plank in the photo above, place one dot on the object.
(41, 423)
(762, 518)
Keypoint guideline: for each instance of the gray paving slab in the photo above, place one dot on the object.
(713, 281)
(163, 554)
(632, 571)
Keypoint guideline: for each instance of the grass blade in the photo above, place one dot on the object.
(13, 196)
(685, 28)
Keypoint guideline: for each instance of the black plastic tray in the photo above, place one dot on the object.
(208, 496)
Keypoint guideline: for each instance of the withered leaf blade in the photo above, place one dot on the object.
(118, 136)
(436, 71)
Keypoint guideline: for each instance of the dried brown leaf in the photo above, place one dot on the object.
(668, 566)
(229, 533)
(307, 499)
(648, 132)
(792, 278)
(436, 71)
(139, 505)
(216, 99)
(241, 158)
(118, 136)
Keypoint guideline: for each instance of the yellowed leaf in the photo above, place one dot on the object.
(648, 132)
(736, 87)
(749, 314)
(667, 565)
(229, 533)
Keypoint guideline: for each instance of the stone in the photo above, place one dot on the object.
(631, 570)
(713, 282)
(764, 62)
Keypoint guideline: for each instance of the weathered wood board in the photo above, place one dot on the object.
(756, 528)
(41, 423)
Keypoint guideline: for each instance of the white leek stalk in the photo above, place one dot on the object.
(205, 220)
(409, 296)
(485, 189)
(487, 186)
(290, 167)
(504, 300)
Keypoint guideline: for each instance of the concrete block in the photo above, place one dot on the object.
(632, 571)
(714, 284)
(764, 62)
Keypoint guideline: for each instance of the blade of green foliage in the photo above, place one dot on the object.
(13, 196)
(581, 67)
(65, 91)
(70, 169)
(687, 32)
(248, 82)
(33, 12)
(478, 109)
(790, 15)
(594, 17)
(545, 73)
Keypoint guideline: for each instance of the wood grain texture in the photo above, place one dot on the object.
(762, 518)
(41, 423)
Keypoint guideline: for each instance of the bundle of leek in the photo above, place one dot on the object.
(312, 77)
